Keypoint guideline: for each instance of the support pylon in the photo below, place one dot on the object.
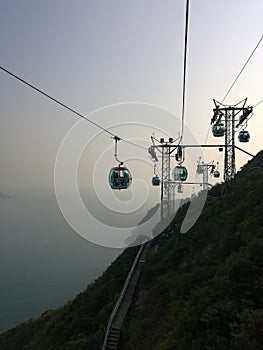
(230, 158)
(225, 119)
(203, 168)
(166, 148)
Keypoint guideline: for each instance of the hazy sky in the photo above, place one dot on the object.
(94, 53)
(90, 54)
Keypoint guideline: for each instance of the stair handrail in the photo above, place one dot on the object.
(123, 291)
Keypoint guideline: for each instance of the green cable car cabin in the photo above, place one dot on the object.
(243, 136)
(156, 181)
(120, 178)
(180, 173)
(216, 173)
(218, 130)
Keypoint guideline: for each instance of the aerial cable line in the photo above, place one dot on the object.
(257, 104)
(55, 100)
(252, 53)
(66, 107)
(185, 61)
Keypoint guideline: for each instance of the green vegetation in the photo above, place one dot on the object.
(201, 290)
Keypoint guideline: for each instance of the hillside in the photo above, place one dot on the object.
(199, 290)
(203, 289)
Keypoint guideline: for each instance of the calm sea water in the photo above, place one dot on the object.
(43, 262)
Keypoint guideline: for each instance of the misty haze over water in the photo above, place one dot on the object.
(43, 262)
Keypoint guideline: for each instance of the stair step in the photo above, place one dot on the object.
(114, 333)
(115, 338)
(112, 343)
(115, 329)
(111, 347)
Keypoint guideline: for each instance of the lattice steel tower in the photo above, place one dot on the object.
(166, 148)
(225, 120)
(166, 169)
(203, 168)
(230, 157)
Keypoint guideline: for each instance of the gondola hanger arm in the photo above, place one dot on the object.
(117, 138)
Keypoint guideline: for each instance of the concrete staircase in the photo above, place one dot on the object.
(117, 317)
(113, 339)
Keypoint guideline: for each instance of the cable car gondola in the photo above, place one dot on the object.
(119, 177)
(243, 136)
(218, 130)
(180, 173)
(156, 181)
(216, 173)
